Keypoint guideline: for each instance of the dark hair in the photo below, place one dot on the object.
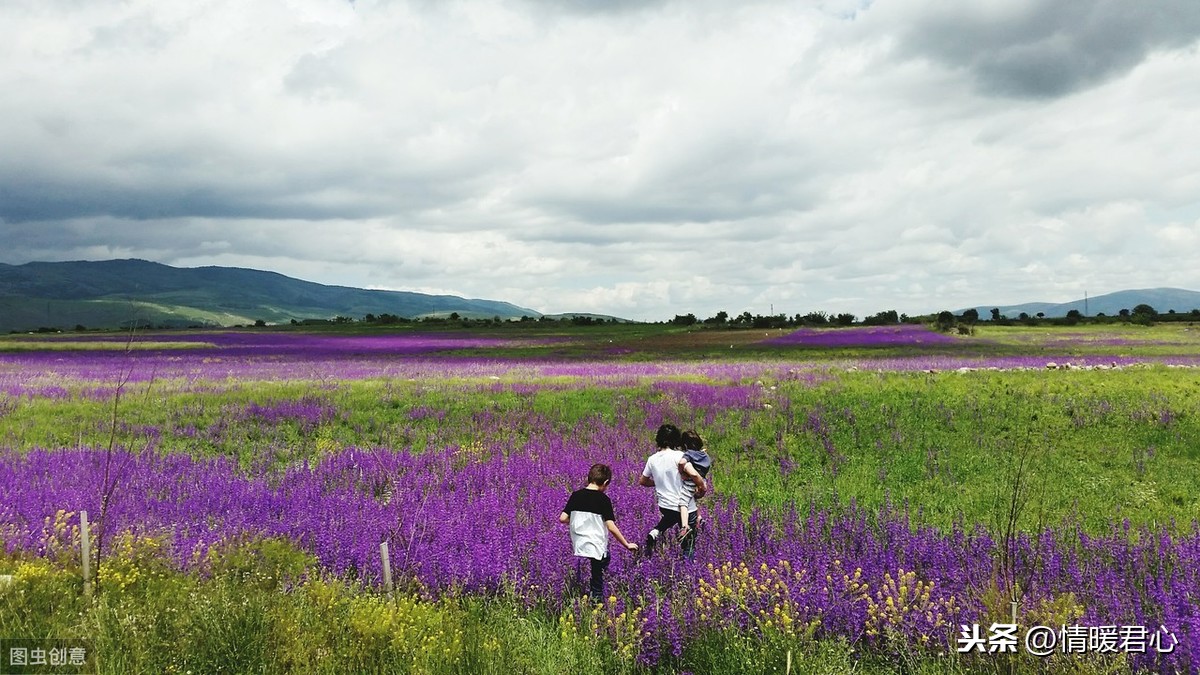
(667, 436)
(691, 440)
(599, 474)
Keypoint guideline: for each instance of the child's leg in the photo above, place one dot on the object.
(685, 527)
(689, 542)
(669, 517)
(596, 584)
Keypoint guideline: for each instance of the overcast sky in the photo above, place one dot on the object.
(631, 157)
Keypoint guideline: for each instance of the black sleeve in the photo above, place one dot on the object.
(608, 514)
(572, 503)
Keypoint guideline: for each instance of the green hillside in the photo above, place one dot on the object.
(115, 293)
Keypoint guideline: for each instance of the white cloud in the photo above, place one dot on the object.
(634, 158)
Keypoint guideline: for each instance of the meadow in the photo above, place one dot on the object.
(876, 490)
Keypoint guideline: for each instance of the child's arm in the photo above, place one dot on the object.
(564, 518)
(616, 533)
(689, 472)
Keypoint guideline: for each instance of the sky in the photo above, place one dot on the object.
(639, 158)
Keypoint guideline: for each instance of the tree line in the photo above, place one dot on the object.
(945, 320)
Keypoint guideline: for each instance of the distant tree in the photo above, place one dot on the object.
(720, 318)
(945, 320)
(884, 318)
(295, 322)
(1194, 312)
(259, 323)
(745, 318)
(688, 319)
(1074, 314)
(79, 328)
(1143, 315)
(772, 321)
(1023, 316)
(454, 316)
(844, 319)
(1124, 313)
(970, 315)
(996, 314)
(1041, 315)
(816, 319)
(370, 318)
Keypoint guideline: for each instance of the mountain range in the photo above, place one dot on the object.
(1163, 300)
(116, 293)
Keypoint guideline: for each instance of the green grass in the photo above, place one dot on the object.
(263, 607)
(1100, 446)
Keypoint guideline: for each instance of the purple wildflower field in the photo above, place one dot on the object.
(869, 336)
(230, 357)
(839, 573)
(434, 508)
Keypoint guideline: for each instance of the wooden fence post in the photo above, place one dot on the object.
(85, 544)
(387, 567)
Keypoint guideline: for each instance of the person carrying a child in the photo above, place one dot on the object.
(589, 512)
(665, 473)
(694, 466)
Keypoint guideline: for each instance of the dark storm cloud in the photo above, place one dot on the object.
(25, 202)
(65, 241)
(240, 194)
(1049, 49)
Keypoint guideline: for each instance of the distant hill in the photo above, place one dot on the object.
(115, 293)
(1110, 304)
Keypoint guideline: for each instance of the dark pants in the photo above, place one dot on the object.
(596, 583)
(669, 519)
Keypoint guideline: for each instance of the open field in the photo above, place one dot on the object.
(874, 490)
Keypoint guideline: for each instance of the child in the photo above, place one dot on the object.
(590, 514)
(694, 466)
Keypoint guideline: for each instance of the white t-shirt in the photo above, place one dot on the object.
(663, 468)
(588, 511)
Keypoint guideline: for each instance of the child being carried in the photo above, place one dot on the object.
(694, 466)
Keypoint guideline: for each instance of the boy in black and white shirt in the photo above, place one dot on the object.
(590, 514)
